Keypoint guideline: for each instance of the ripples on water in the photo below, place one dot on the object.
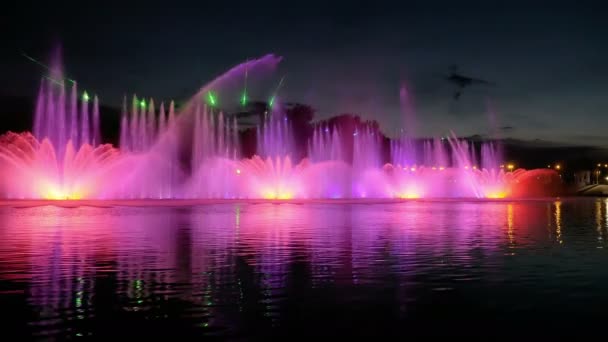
(252, 270)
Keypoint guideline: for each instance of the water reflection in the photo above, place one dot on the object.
(256, 269)
(558, 221)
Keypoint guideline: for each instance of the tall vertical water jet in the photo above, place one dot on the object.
(490, 155)
(170, 191)
(171, 114)
(440, 153)
(235, 139)
(74, 136)
(274, 135)
(220, 134)
(227, 138)
(403, 151)
(53, 116)
(151, 124)
(124, 127)
(142, 137)
(197, 144)
(61, 122)
(84, 116)
(40, 108)
(141, 129)
(162, 119)
(367, 149)
(134, 125)
(48, 121)
(96, 128)
(325, 145)
(209, 129)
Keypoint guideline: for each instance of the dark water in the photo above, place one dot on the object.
(246, 271)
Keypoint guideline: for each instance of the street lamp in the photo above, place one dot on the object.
(510, 167)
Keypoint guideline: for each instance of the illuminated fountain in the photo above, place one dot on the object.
(63, 159)
(31, 169)
(446, 167)
(214, 153)
(197, 155)
(149, 142)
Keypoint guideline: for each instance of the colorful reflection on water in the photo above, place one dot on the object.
(257, 269)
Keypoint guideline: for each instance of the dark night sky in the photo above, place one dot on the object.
(548, 59)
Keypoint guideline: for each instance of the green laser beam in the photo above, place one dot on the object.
(52, 80)
(32, 59)
(212, 99)
(244, 97)
(276, 91)
(280, 84)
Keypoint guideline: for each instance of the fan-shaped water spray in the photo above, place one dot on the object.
(32, 169)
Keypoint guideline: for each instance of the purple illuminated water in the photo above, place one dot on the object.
(197, 154)
(250, 271)
(52, 122)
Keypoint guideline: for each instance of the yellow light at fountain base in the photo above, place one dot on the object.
(53, 193)
(408, 195)
(499, 194)
(273, 195)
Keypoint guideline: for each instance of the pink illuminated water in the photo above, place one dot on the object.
(244, 271)
(196, 154)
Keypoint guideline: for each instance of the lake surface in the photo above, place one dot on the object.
(254, 270)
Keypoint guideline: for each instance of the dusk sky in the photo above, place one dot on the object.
(548, 60)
